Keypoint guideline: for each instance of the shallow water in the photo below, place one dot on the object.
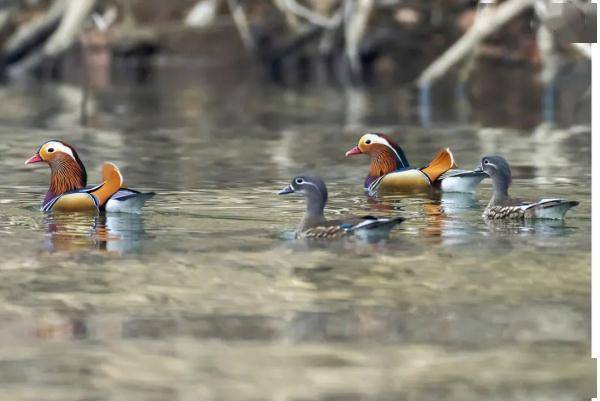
(204, 296)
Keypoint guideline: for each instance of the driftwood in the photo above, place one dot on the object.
(6, 15)
(242, 25)
(356, 14)
(333, 28)
(203, 13)
(70, 25)
(584, 49)
(47, 36)
(351, 18)
(311, 16)
(487, 22)
(30, 35)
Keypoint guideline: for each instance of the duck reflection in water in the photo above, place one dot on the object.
(444, 213)
(541, 227)
(116, 233)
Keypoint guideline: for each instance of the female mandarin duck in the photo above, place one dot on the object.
(315, 225)
(68, 180)
(390, 172)
(502, 206)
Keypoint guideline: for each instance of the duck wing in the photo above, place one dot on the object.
(457, 180)
(72, 201)
(554, 209)
(335, 229)
(127, 200)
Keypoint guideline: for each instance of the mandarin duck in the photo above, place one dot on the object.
(68, 180)
(315, 225)
(502, 206)
(390, 172)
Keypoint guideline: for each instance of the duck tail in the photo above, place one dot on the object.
(442, 162)
(550, 209)
(112, 182)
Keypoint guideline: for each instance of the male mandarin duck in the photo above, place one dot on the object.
(68, 180)
(315, 225)
(502, 206)
(390, 172)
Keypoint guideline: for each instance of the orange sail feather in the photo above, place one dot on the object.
(113, 180)
(442, 162)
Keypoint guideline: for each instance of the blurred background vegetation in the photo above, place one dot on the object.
(479, 49)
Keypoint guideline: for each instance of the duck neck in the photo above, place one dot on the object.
(315, 206)
(66, 175)
(385, 161)
(500, 195)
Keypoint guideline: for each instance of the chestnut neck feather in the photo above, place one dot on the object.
(67, 174)
(383, 161)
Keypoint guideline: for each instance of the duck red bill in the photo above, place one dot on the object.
(354, 151)
(34, 159)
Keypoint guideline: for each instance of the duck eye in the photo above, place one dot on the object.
(299, 180)
(368, 141)
(50, 150)
(486, 162)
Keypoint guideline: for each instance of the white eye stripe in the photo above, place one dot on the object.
(383, 141)
(58, 146)
(310, 183)
(314, 185)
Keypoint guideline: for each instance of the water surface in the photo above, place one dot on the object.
(202, 296)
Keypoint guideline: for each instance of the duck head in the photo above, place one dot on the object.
(67, 171)
(386, 155)
(313, 189)
(499, 171)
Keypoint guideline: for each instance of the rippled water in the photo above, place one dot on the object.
(203, 297)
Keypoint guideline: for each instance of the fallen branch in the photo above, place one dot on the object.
(242, 25)
(69, 28)
(583, 49)
(290, 18)
(313, 17)
(32, 34)
(356, 18)
(6, 15)
(203, 13)
(490, 19)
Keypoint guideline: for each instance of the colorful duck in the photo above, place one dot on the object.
(315, 225)
(68, 180)
(390, 172)
(502, 206)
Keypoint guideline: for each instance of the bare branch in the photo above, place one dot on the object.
(314, 18)
(70, 27)
(490, 20)
(357, 16)
(203, 13)
(27, 32)
(241, 22)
